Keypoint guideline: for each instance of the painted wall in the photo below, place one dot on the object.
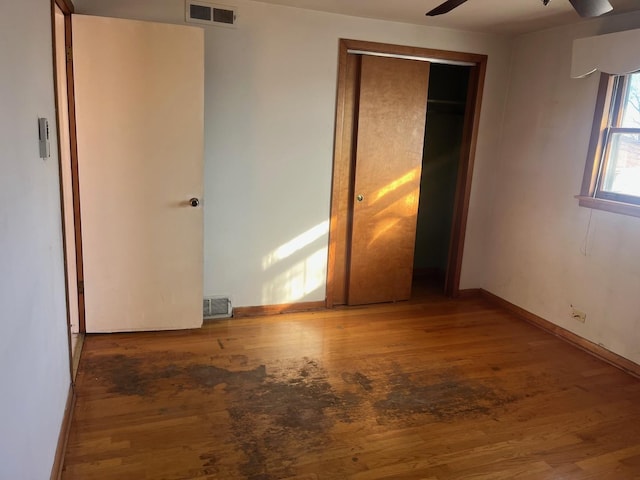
(34, 360)
(269, 125)
(544, 252)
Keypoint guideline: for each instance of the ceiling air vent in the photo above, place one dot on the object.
(209, 14)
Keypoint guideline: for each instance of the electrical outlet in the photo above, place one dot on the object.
(578, 315)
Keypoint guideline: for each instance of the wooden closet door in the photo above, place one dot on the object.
(390, 137)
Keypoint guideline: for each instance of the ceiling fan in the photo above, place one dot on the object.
(585, 8)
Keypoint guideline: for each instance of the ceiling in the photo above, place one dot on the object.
(495, 16)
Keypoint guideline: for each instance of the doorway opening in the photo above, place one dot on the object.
(348, 204)
(446, 106)
(68, 170)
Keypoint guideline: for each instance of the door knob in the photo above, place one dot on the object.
(360, 197)
(194, 202)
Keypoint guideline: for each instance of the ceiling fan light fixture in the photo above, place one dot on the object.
(445, 7)
(585, 8)
(591, 8)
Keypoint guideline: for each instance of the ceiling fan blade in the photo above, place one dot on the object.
(445, 7)
(591, 8)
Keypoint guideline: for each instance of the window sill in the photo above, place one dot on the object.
(609, 206)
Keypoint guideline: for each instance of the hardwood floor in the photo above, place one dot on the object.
(428, 389)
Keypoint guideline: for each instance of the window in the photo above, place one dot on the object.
(612, 175)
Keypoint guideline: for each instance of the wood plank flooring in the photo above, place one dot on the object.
(428, 389)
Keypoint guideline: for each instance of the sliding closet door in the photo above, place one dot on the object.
(390, 134)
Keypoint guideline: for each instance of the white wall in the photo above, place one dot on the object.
(269, 124)
(542, 253)
(34, 372)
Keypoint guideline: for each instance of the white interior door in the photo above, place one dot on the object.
(139, 95)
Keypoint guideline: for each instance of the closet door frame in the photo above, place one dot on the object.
(344, 149)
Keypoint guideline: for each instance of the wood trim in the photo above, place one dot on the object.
(264, 310)
(65, 236)
(412, 51)
(465, 176)
(337, 177)
(65, 5)
(341, 191)
(469, 293)
(63, 436)
(594, 349)
(342, 171)
(74, 172)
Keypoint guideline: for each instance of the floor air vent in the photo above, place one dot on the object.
(208, 14)
(217, 307)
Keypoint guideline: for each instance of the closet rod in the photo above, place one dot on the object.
(442, 61)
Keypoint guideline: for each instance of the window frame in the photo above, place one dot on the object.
(608, 112)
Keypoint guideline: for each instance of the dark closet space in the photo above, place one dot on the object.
(448, 86)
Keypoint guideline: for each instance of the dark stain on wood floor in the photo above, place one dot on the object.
(276, 416)
(358, 378)
(446, 390)
(446, 397)
(276, 419)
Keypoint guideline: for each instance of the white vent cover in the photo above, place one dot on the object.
(217, 307)
(209, 14)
